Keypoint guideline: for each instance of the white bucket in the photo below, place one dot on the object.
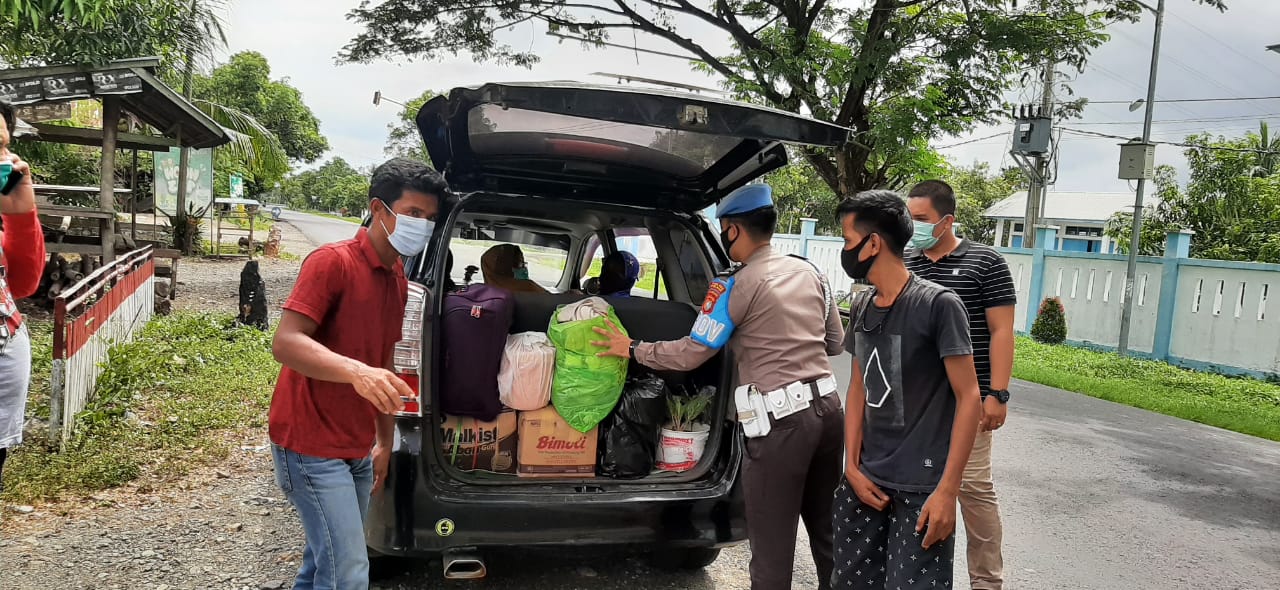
(680, 451)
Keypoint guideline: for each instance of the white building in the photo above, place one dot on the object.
(1080, 217)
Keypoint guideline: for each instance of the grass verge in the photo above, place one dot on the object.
(1247, 406)
(162, 405)
(355, 220)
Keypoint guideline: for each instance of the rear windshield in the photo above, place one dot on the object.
(498, 131)
(544, 264)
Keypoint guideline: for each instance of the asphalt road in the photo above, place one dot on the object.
(1094, 495)
(319, 230)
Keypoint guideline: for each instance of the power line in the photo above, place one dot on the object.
(1192, 70)
(1215, 39)
(1203, 120)
(967, 142)
(1224, 99)
(1095, 67)
(1173, 143)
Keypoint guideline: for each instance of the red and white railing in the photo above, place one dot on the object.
(104, 308)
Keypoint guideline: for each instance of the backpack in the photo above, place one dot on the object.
(474, 328)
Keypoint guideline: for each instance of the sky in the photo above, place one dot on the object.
(1204, 54)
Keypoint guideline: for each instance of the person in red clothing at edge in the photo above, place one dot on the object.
(336, 394)
(21, 260)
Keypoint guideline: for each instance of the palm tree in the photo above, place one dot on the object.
(202, 35)
(1268, 152)
(250, 141)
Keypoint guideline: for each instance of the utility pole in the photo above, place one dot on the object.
(1042, 162)
(1038, 188)
(1135, 240)
(1036, 143)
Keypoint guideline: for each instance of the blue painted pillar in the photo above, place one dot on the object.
(1177, 247)
(1045, 234)
(808, 229)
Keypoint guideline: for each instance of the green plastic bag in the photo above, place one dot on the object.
(585, 387)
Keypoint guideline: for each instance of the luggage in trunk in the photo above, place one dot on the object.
(474, 329)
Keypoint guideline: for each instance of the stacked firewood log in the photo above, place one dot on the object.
(59, 275)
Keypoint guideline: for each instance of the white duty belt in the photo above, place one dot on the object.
(797, 396)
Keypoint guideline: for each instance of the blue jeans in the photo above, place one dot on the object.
(332, 498)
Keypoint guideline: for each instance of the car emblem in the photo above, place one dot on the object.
(444, 527)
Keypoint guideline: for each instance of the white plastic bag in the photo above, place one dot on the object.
(528, 363)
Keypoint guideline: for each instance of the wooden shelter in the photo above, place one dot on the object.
(124, 87)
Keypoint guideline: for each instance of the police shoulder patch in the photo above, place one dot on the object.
(714, 325)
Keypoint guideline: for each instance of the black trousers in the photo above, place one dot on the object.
(881, 550)
(788, 475)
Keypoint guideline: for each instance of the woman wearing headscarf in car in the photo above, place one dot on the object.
(618, 274)
(504, 267)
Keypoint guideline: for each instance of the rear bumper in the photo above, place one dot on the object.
(417, 516)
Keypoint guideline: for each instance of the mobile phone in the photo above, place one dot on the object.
(14, 178)
(10, 177)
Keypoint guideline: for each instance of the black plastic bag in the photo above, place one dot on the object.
(629, 439)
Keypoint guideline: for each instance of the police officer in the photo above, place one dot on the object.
(776, 313)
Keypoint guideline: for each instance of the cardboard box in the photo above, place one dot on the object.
(474, 445)
(549, 447)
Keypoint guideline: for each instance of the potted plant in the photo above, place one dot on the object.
(684, 438)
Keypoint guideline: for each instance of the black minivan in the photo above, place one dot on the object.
(570, 172)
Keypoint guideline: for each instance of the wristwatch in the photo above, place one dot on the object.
(631, 350)
(1001, 394)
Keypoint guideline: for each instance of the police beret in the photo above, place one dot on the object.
(745, 200)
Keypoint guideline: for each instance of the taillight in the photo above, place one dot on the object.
(407, 358)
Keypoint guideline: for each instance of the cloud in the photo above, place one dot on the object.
(301, 38)
(1204, 54)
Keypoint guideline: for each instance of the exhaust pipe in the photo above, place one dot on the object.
(463, 565)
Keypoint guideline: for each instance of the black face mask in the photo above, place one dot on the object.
(727, 243)
(856, 269)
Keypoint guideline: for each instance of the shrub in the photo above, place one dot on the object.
(1050, 326)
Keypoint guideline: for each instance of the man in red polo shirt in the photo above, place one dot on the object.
(335, 395)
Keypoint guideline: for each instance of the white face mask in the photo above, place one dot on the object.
(411, 234)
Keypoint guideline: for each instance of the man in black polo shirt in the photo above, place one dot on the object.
(980, 276)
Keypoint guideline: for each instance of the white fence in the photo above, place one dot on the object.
(821, 250)
(104, 308)
(1221, 316)
(1204, 314)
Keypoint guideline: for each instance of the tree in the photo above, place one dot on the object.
(898, 72)
(977, 189)
(798, 192)
(1157, 217)
(54, 32)
(244, 83)
(1231, 200)
(403, 139)
(1050, 326)
(334, 186)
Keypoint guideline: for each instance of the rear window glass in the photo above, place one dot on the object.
(545, 264)
(641, 246)
(495, 130)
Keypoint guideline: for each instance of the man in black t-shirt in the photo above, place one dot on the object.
(980, 276)
(911, 415)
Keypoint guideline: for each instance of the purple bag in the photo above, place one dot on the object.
(474, 330)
